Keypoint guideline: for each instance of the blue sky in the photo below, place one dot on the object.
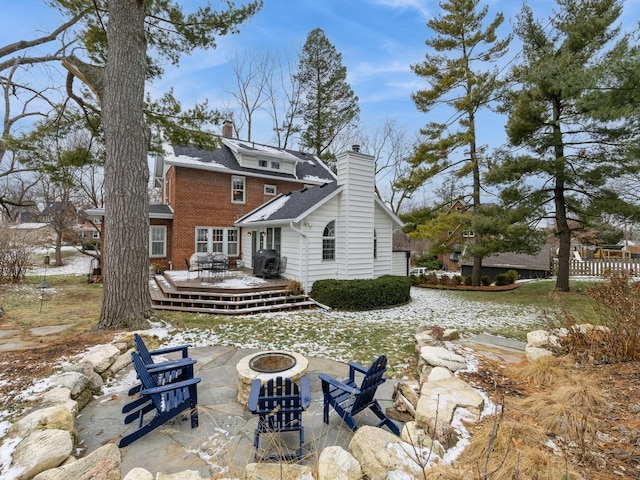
(378, 40)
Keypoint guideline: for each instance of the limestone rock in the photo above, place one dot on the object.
(534, 353)
(382, 455)
(57, 417)
(186, 475)
(418, 437)
(269, 471)
(40, 451)
(60, 396)
(442, 397)
(74, 381)
(121, 362)
(538, 338)
(424, 338)
(439, 373)
(441, 357)
(102, 464)
(451, 334)
(335, 463)
(102, 357)
(138, 474)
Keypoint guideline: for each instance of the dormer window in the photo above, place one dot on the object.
(275, 165)
(263, 163)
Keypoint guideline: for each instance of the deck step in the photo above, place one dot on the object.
(165, 295)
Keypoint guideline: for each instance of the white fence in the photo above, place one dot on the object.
(597, 267)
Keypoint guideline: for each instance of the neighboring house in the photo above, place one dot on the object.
(527, 266)
(455, 240)
(231, 200)
(34, 233)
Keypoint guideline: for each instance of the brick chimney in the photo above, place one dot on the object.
(227, 129)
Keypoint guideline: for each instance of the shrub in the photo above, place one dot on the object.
(359, 295)
(294, 287)
(512, 275)
(467, 280)
(485, 280)
(502, 279)
(14, 257)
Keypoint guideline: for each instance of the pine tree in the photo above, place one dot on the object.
(458, 77)
(329, 104)
(572, 148)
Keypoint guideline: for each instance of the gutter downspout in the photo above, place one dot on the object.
(304, 268)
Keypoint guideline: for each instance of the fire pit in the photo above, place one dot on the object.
(266, 365)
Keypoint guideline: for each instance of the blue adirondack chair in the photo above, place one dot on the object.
(349, 399)
(166, 400)
(279, 404)
(168, 371)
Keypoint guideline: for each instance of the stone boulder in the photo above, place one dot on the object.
(60, 396)
(335, 463)
(40, 451)
(56, 417)
(76, 382)
(281, 471)
(441, 398)
(102, 357)
(101, 464)
(418, 437)
(138, 474)
(538, 338)
(534, 353)
(186, 475)
(121, 362)
(382, 455)
(439, 373)
(441, 357)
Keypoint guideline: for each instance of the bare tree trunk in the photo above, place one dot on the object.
(562, 223)
(126, 299)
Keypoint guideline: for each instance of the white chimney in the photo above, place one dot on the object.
(355, 224)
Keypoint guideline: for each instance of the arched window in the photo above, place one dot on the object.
(329, 241)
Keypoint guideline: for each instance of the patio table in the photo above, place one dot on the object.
(213, 266)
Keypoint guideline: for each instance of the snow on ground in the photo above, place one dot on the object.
(77, 264)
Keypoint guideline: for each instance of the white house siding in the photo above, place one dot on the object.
(356, 172)
(382, 265)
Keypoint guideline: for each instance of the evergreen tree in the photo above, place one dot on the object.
(557, 117)
(329, 104)
(458, 77)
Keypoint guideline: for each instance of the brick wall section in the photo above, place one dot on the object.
(203, 198)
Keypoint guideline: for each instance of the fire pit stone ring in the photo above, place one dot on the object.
(267, 365)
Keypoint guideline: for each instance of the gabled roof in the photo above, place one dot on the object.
(226, 158)
(539, 261)
(291, 206)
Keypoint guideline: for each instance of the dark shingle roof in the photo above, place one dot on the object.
(291, 205)
(308, 168)
(539, 261)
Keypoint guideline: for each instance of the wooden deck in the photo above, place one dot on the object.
(236, 293)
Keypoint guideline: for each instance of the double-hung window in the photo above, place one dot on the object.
(217, 240)
(238, 189)
(329, 241)
(158, 241)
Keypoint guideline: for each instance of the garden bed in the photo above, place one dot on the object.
(481, 288)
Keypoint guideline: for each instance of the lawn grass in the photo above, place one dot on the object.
(360, 337)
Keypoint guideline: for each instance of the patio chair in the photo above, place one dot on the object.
(168, 401)
(279, 403)
(348, 399)
(167, 371)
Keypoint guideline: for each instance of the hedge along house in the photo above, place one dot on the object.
(337, 230)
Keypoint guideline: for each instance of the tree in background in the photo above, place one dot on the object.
(571, 149)
(329, 104)
(458, 77)
(120, 66)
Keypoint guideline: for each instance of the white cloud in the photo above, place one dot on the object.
(418, 5)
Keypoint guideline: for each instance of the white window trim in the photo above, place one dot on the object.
(273, 187)
(164, 241)
(225, 239)
(244, 189)
(331, 237)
